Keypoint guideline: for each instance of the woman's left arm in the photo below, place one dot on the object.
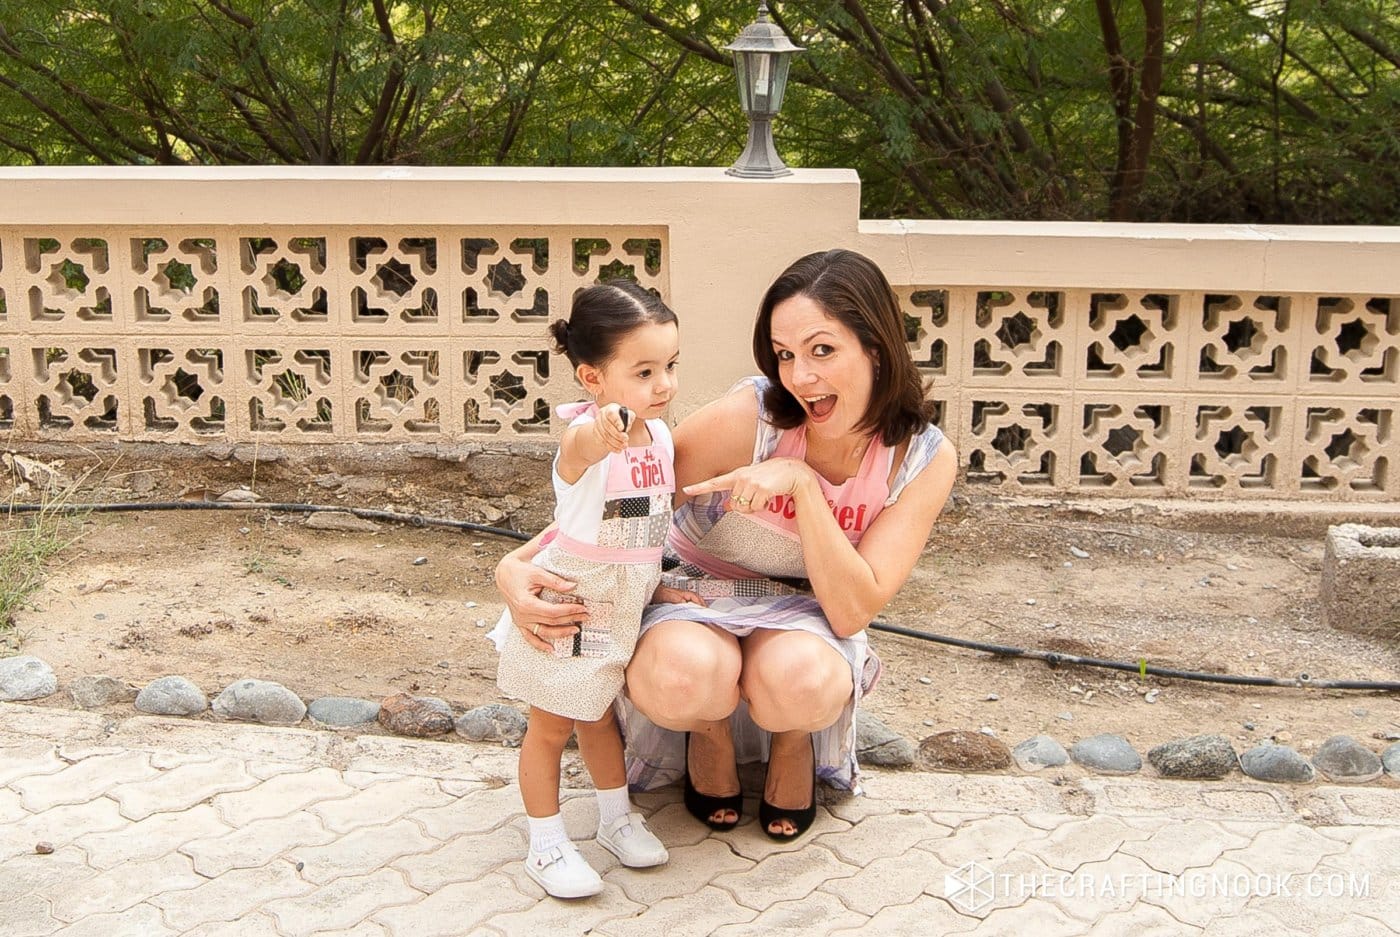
(854, 582)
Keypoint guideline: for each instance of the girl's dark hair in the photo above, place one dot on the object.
(851, 289)
(601, 316)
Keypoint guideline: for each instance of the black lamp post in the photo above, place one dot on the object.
(762, 54)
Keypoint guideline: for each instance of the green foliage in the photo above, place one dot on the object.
(1276, 111)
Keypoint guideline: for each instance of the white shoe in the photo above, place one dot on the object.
(628, 838)
(563, 872)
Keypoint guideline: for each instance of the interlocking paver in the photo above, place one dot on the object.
(784, 877)
(59, 826)
(983, 840)
(477, 812)
(464, 858)
(1212, 903)
(26, 760)
(1095, 890)
(567, 917)
(816, 914)
(256, 844)
(876, 865)
(1144, 921)
(1292, 849)
(363, 851)
(923, 915)
(121, 887)
(343, 903)
(182, 787)
(694, 915)
(674, 826)
(882, 836)
(380, 803)
(27, 916)
(886, 882)
(267, 770)
(11, 808)
(1181, 846)
(688, 865)
(1035, 918)
(1079, 841)
(455, 909)
(748, 840)
(253, 925)
(1249, 923)
(152, 837)
(21, 875)
(283, 794)
(367, 929)
(84, 781)
(139, 921)
(230, 896)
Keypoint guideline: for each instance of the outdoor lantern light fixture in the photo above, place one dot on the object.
(762, 54)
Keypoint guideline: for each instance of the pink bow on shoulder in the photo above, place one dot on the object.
(567, 411)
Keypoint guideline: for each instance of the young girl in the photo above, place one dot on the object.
(614, 482)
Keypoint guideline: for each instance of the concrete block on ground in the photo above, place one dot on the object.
(1361, 580)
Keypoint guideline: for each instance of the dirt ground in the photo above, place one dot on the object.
(218, 596)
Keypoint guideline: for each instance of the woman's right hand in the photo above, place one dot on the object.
(539, 621)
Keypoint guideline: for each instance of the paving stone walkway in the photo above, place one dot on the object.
(166, 826)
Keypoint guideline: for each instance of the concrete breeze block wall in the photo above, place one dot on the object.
(390, 305)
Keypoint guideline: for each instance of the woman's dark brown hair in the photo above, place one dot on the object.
(851, 289)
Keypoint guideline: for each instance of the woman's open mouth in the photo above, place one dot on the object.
(820, 407)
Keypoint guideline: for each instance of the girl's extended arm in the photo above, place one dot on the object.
(586, 443)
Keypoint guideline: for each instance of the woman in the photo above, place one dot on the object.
(809, 494)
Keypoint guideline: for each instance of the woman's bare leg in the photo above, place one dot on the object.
(796, 684)
(684, 676)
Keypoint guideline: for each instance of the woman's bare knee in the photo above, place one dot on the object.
(795, 685)
(684, 674)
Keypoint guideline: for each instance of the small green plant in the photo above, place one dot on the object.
(30, 541)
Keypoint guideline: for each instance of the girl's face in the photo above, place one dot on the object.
(641, 374)
(822, 363)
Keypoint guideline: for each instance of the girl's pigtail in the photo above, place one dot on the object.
(559, 331)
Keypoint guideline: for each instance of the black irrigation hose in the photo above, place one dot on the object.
(1055, 659)
(1052, 658)
(413, 520)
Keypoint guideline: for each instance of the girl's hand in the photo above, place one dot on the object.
(610, 428)
(668, 595)
(752, 487)
(539, 621)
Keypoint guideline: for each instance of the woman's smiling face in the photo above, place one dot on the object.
(822, 363)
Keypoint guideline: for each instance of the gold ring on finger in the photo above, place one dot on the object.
(536, 632)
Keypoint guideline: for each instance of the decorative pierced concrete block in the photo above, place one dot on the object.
(1361, 579)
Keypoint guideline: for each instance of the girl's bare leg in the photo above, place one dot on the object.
(540, 756)
(600, 744)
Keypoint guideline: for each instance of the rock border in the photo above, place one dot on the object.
(1343, 758)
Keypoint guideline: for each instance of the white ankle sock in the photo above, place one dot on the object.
(613, 803)
(547, 832)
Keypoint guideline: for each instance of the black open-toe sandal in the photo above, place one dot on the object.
(800, 817)
(703, 807)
